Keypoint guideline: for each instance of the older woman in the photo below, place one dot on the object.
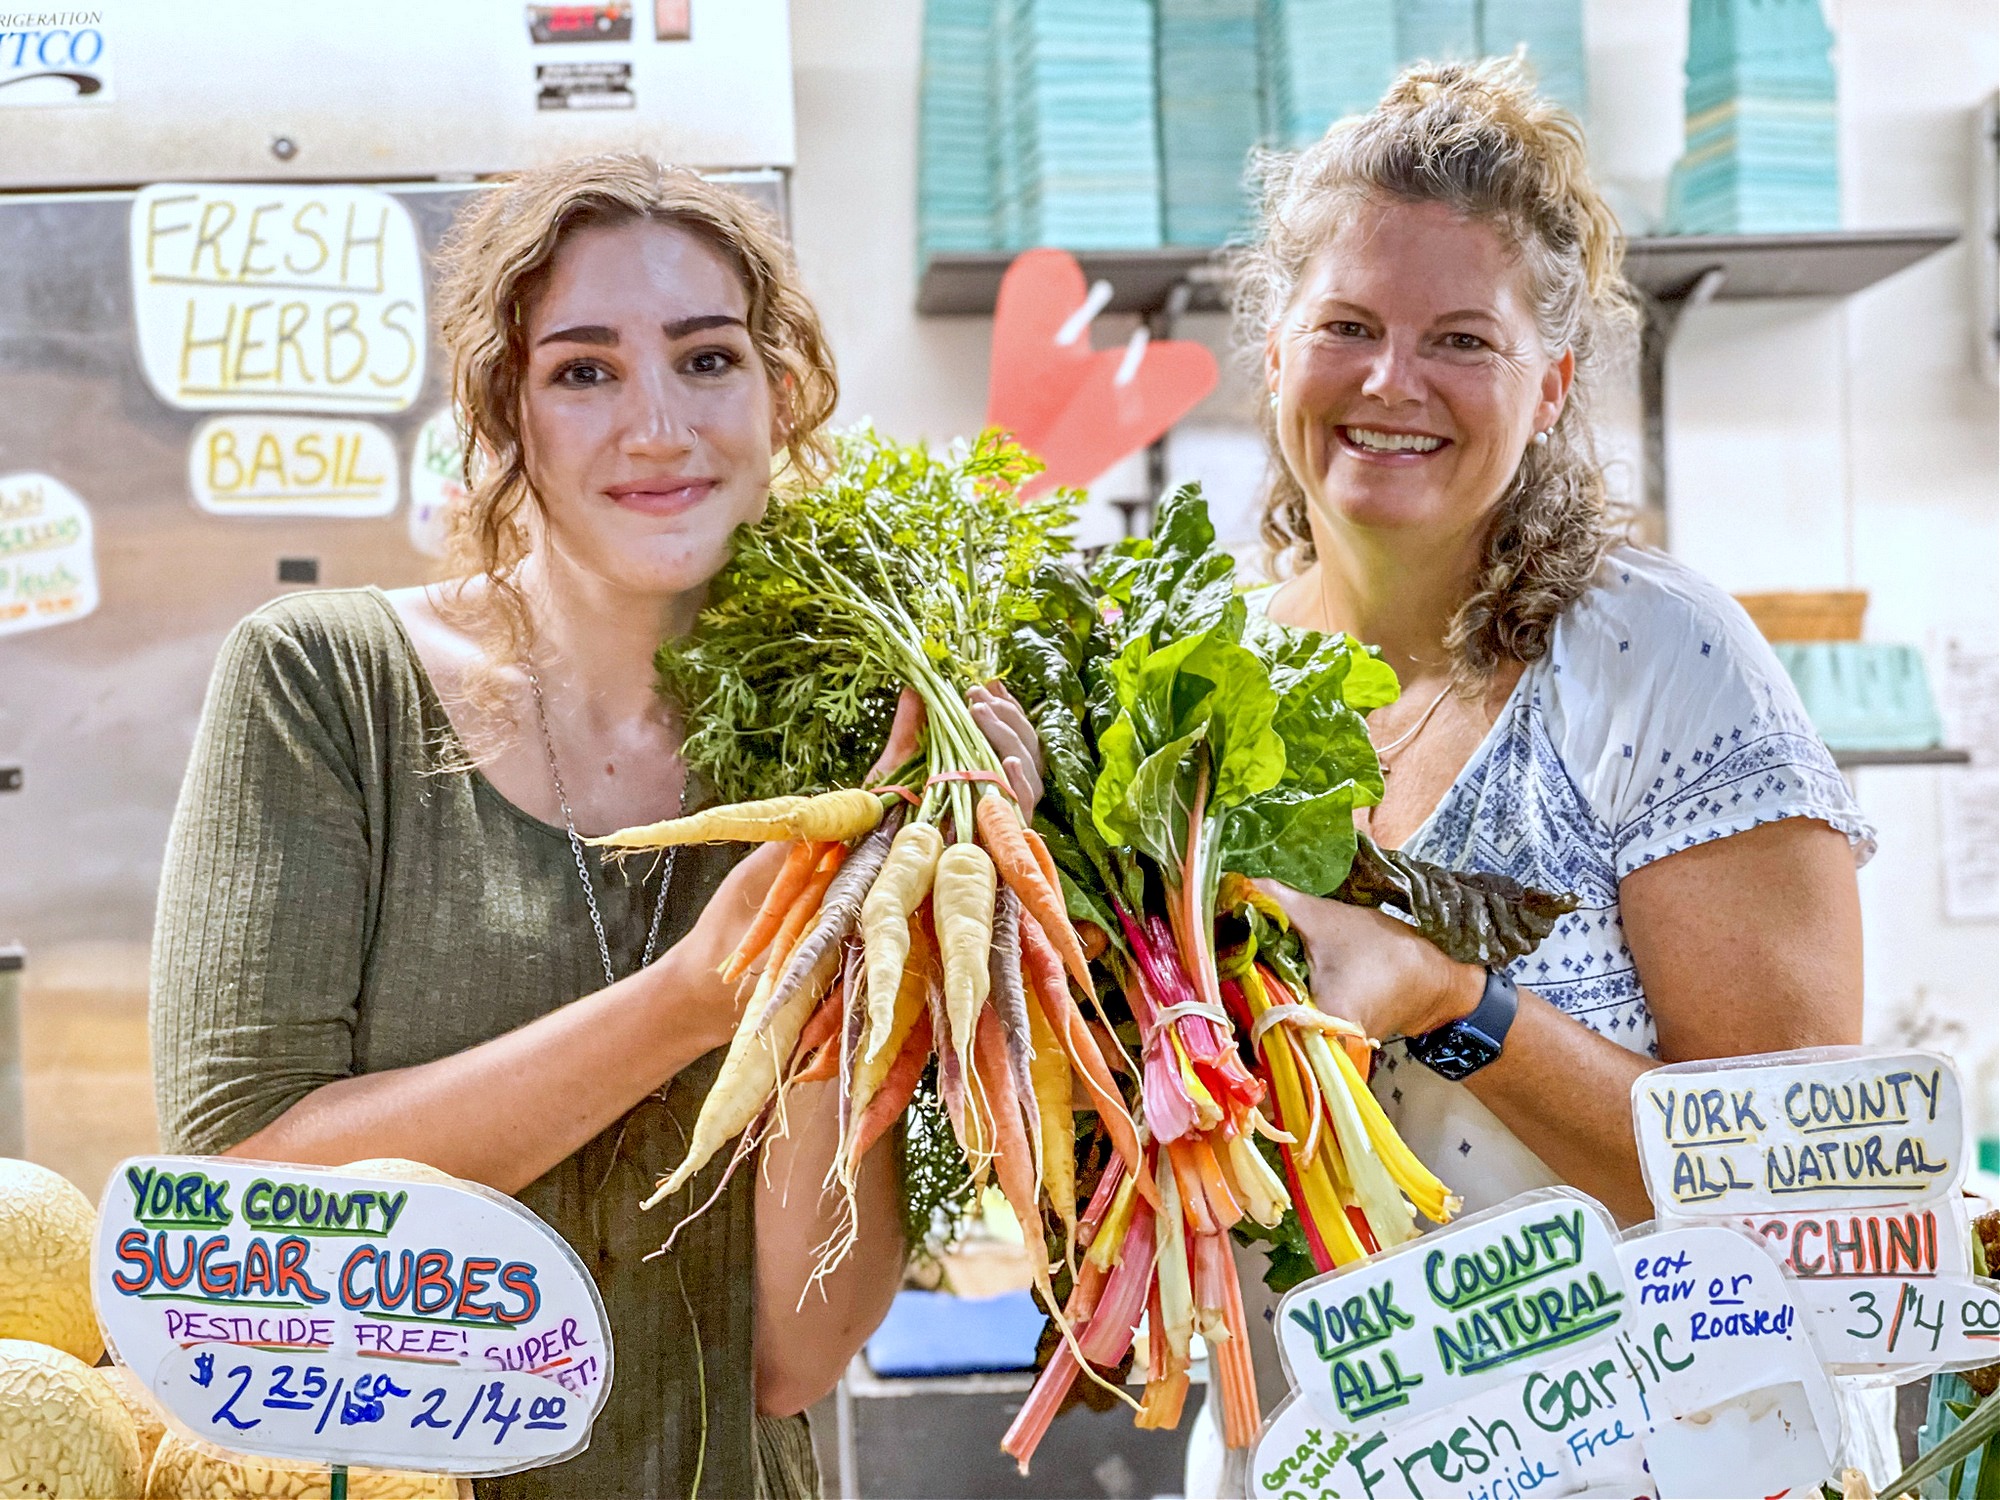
(1434, 292)
(379, 932)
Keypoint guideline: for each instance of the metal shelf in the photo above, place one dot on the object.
(1665, 267)
(1848, 759)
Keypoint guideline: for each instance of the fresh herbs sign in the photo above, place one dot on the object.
(350, 1318)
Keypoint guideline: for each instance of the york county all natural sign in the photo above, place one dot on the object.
(350, 1318)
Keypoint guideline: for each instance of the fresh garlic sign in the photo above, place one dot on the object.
(277, 298)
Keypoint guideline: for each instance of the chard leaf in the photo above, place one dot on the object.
(1148, 805)
(1301, 839)
(1371, 682)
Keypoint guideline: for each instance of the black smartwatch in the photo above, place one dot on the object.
(1461, 1048)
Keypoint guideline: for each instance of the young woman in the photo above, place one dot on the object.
(379, 933)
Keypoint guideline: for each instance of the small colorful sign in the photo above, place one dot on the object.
(348, 1317)
(277, 298)
(48, 566)
(610, 21)
(292, 466)
(437, 481)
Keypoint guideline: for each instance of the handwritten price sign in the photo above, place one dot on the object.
(350, 1319)
(1693, 1378)
(1844, 1164)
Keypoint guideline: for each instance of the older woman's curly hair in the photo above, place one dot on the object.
(1477, 138)
(496, 259)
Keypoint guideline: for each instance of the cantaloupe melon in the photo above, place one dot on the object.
(62, 1432)
(147, 1418)
(46, 1226)
(184, 1470)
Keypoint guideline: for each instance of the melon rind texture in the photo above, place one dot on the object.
(184, 1470)
(46, 1226)
(62, 1431)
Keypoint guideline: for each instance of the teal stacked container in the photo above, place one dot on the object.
(1762, 153)
(1210, 117)
(1077, 124)
(1323, 59)
(955, 148)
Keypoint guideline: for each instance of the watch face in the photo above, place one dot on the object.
(1459, 1052)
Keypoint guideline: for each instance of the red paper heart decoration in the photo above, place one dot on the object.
(1066, 403)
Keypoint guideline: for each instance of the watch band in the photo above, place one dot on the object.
(1461, 1048)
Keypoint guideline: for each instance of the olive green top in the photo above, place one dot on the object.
(337, 901)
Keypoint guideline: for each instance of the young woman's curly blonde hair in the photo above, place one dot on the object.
(496, 259)
(1477, 138)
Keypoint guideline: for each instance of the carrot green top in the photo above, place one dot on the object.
(336, 901)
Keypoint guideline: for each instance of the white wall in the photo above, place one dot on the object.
(1813, 444)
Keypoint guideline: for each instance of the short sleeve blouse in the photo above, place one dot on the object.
(1659, 719)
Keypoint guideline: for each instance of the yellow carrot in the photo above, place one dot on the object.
(885, 927)
(911, 997)
(1049, 1068)
(962, 895)
(843, 816)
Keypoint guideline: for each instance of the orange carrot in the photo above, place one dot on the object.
(893, 1097)
(1014, 859)
(799, 862)
(1092, 937)
(1045, 973)
(822, 1024)
(1013, 1158)
(822, 1065)
(805, 905)
(1044, 861)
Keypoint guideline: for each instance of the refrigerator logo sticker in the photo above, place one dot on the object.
(292, 466)
(53, 57)
(48, 570)
(260, 297)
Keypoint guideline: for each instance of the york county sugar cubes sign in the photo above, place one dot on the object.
(350, 1317)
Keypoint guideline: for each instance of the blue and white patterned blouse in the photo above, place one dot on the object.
(1659, 719)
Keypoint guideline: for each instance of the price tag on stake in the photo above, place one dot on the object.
(350, 1318)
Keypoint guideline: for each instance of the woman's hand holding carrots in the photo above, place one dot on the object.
(691, 970)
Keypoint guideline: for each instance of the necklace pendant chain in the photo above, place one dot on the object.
(583, 864)
(1383, 752)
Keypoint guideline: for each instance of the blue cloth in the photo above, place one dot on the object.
(935, 1333)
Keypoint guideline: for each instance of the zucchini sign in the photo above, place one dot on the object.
(350, 1317)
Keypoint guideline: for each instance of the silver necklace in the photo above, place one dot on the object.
(1383, 752)
(576, 847)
